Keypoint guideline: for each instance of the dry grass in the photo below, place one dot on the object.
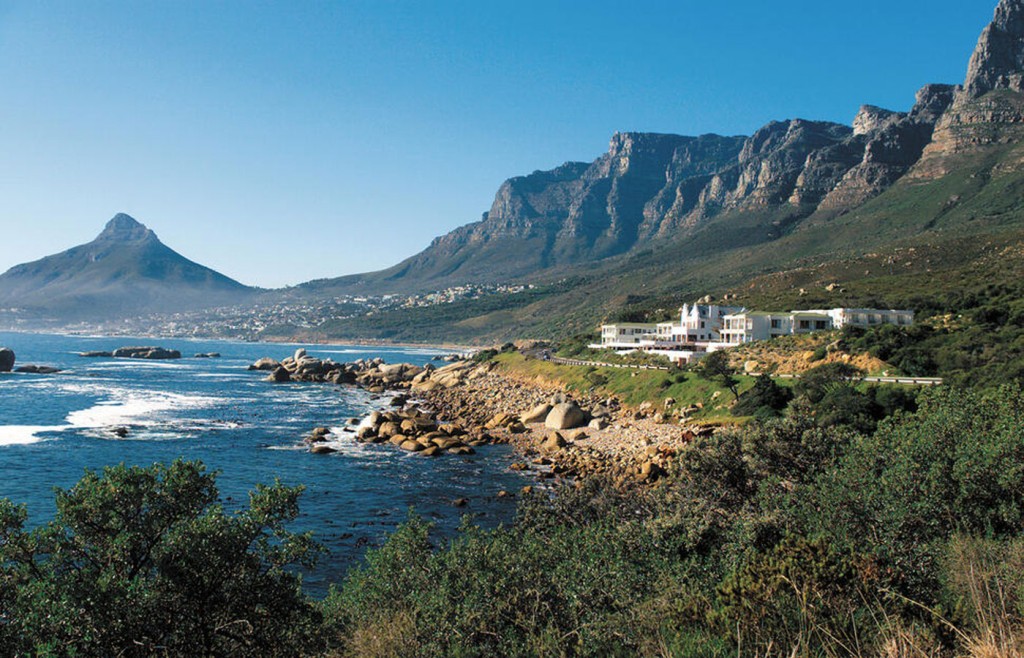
(987, 578)
(393, 636)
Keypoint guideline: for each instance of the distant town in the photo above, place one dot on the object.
(251, 321)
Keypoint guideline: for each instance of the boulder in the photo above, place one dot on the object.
(321, 449)
(553, 443)
(451, 429)
(37, 370)
(265, 363)
(96, 354)
(158, 353)
(412, 446)
(564, 416)
(388, 430)
(536, 415)
(598, 424)
(318, 435)
(279, 375)
(500, 420)
(651, 472)
(6, 359)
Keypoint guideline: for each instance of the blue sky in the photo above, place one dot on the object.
(281, 142)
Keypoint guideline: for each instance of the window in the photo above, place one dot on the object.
(820, 324)
(805, 324)
(776, 324)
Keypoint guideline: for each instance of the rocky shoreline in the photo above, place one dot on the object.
(452, 409)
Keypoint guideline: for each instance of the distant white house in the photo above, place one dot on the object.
(697, 323)
(868, 317)
(748, 326)
(627, 335)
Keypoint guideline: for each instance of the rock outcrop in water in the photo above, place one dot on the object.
(37, 370)
(6, 359)
(153, 353)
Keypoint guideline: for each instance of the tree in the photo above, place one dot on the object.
(766, 398)
(816, 383)
(715, 367)
(145, 561)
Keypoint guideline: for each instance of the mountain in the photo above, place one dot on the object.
(771, 219)
(651, 187)
(126, 270)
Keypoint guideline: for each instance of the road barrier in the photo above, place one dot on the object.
(598, 364)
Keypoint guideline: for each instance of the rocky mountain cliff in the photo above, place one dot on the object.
(649, 188)
(126, 270)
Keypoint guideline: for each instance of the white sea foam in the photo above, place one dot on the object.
(146, 409)
(11, 435)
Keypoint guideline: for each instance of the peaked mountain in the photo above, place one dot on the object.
(651, 188)
(126, 270)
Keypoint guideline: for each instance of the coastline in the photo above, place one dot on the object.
(462, 405)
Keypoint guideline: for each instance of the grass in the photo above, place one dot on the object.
(635, 387)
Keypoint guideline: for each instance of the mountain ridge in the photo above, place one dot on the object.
(126, 269)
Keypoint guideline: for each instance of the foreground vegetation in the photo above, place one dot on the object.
(783, 537)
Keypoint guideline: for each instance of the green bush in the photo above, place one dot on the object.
(765, 399)
(144, 561)
(957, 465)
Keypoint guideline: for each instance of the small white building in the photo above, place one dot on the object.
(700, 323)
(749, 326)
(627, 335)
(868, 317)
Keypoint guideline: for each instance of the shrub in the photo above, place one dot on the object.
(764, 399)
(957, 465)
(801, 598)
(144, 561)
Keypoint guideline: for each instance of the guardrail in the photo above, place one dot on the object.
(598, 364)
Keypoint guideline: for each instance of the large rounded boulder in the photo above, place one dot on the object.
(565, 416)
(6, 359)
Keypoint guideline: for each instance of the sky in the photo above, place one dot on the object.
(280, 142)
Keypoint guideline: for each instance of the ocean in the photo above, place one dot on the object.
(54, 427)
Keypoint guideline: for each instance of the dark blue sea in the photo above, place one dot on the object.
(53, 427)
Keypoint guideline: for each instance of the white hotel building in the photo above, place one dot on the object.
(705, 328)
